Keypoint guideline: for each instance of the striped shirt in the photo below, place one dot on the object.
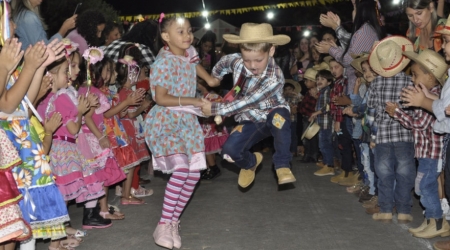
(426, 143)
(324, 119)
(259, 95)
(388, 89)
(362, 41)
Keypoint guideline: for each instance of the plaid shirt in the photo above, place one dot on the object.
(308, 105)
(361, 41)
(112, 51)
(427, 143)
(338, 90)
(292, 99)
(324, 119)
(259, 95)
(343, 36)
(388, 89)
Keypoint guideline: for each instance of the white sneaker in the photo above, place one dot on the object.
(118, 190)
(445, 208)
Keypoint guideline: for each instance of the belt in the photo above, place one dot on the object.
(64, 138)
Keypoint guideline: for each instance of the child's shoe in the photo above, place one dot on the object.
(337, 178)
(247, 176)
(435, 228)
(176, 235)
(324, 171)
(285, 176)
(420, 228)
(141, 192)
(163, 235)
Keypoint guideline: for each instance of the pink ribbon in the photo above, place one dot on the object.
(161, 17)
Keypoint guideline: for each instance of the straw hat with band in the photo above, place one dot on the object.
(297, 87)
(446, 29)
(431, 61)
(310, 74)
(322, 66)
(387, 59)
(358, 59)
(257, 33)
(312, 129)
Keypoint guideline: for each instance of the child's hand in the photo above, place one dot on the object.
(46, 85)
(390, 108)
(104, 142)
(413, 96)
(134, 99)
(348, 111)
(36, 55)
(313, 92)
(372, 145)
(10, 55)
(52, 123)
(206, 106)
(342, 100)
(93, 100)
(357, 84)
(146, 103)
(83, 104)
(447, 110)
(54, 50)
(337, 127)
(313, 116)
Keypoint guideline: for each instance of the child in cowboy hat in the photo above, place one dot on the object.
(428, 69)
(260, 107)
(291, 92)
(305, 108)
(394, 161)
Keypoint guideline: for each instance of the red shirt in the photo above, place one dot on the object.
(307, 106)
(338, 90)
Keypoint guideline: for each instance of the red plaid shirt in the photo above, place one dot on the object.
(338, 90)
(427, 143)
(307, 106)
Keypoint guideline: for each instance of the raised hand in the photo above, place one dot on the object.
(93, 100)
(10, 55)
(134, 99)
(54, 50)
(334, 17)
(52, 124)
(83, 104)
(390, 108)
(412, 96)
(46, 85)
(36, 55)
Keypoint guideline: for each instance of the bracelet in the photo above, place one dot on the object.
(179, 101)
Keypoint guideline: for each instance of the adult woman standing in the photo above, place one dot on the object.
(90, 25)
(303, 59)
(31, 26)
(424, 21)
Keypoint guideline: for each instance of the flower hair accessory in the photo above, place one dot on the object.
(69, 46)
(133, 68)
(161, 17)
(92, 55)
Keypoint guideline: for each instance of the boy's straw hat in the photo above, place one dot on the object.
(297, 87)
(387, 59)
(311, 131)
(431, 61)
(446, 29)
(358, 59)
(321, 66)
(257, 33)
(327, 59)
(310, 74)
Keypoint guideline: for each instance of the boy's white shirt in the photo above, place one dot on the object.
(442, 123)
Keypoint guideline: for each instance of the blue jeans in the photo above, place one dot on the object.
(326, 146)
(247, 133)
(427, 187)
(396, 171)
(365, 159)
(311, 146)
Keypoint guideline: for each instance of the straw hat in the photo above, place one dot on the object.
(327, 59)
(446, 29)
(321, 66)
(387, 59)
(312, 129)
(310, 74)
(431, 61)
(257, 33)
(297, 86)
(358, 59)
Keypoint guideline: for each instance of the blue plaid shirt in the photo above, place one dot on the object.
(259, 95)
(324, 119)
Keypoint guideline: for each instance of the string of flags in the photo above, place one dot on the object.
(237, 11)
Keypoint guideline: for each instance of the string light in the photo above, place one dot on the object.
(306, 33)
(396, 2)
(205, 14)
(270, 15)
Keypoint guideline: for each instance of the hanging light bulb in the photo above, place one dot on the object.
(204, 13)
(306, 33)
(207, 26)
(270, 15)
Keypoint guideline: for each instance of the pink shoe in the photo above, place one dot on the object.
(163, 235)
(176, 235)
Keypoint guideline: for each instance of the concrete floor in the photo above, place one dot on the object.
(312, 213)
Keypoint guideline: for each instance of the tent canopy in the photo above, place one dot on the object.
(219, 27)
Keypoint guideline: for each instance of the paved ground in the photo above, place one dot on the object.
(311, 214)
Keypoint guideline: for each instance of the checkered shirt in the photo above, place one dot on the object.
(292, 99)
(427, 143)
(112, 51)
(337, 90)
(259, 95)
(308, 105)
(388, 89)
(324, 119)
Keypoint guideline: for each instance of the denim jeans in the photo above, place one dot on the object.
(372, 168)
(312, 145)
(294, 140)
(247, 133)
(356, 142)
(365, 160)
(427, 187)
(326, 146)
(395, 167)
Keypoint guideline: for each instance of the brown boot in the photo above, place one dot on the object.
(337, 178)
(373, 202)
(442, 245)
(420, 228)
(435, 228)
(351, 180)
(373, 210)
